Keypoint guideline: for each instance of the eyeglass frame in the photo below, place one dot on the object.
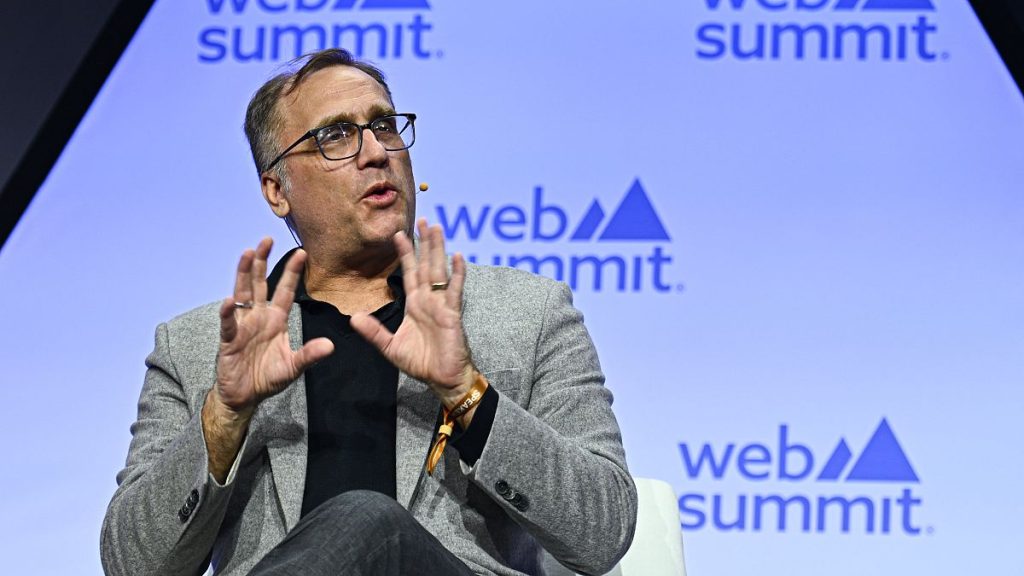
(312, 134)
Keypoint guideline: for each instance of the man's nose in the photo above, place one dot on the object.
(372, 152)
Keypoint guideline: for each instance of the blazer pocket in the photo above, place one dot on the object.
(508, 382)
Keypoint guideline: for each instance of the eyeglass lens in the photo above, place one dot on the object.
(342, 140)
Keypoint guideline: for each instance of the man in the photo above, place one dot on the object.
(300, 426)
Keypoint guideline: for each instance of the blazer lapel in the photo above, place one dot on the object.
(282, 424)
(417, 411)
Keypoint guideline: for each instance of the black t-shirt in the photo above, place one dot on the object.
(351, 399)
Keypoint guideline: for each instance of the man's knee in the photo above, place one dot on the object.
(371, 511)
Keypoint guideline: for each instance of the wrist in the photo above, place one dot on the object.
(460, 411)
(451, 396)
(216, 408)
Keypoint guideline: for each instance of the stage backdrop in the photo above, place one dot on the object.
(795, 229)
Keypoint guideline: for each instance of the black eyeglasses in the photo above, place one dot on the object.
(345, 139)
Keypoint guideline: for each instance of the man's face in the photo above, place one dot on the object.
(343, 206)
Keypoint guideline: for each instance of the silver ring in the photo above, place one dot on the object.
(246, 305)
(438, 286)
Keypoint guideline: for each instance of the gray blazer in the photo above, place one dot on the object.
(554, 440)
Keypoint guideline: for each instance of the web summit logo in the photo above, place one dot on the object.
(266, 30)
(887, 30)
(624, 251)
(876, 496)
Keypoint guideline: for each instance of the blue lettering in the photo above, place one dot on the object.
(805, 5)
(782, 507)
(462, 220)
(599, 264)
(717, 45)
(257, 53)
(697, 513)
(707, 454)
(539, 210)
(752, 455)
(860, 34)
(741, 513)
(819, 514)
(301, 6)
(799, 41)
(359, 37)
(266, 5)
(923, 28)
(713, 4)
(799, 34)
(509, 216)
(397, 34)
(756, 52)
(785, 448)
(845, 506)
(774, 6)
(906, 502)
(206, 40)
(215, 6)
(299, 46)
(418, 27)
(657, 260)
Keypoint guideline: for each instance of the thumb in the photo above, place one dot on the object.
(311, 352)
(373, 331)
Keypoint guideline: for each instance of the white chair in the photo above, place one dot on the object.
(657, 548)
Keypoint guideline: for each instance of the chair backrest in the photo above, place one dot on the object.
(657, 548)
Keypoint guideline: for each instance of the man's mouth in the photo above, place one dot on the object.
(381, 194)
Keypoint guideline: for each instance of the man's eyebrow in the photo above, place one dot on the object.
(373, 113)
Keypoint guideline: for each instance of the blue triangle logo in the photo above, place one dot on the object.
(394, 5)
(635, 218)
(897, 5)
(883, 460)
(836, 462)
(591, 220)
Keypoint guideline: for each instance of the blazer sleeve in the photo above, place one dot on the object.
(167, 509)
(557, 465)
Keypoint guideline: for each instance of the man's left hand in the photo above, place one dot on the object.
(430, 344)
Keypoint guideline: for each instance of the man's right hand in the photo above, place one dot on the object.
(255, 359)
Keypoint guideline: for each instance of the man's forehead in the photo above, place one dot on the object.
(338, 93)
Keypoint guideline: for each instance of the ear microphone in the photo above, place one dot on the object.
(423, 187)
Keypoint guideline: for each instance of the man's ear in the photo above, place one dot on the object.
(273, 193)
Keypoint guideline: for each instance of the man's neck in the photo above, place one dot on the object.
(351, 284)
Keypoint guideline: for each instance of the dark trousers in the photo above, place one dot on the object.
(360, 533)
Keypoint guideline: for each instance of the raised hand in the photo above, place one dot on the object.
(256, 360)
(430, 344)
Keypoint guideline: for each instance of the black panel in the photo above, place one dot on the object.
(1004, 22)
(57, 55)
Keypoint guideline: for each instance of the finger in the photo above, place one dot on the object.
(312, 352)
(407, 256)
(243, 277)
(284, 293)
(426, 246)
(259, 270)
(438, 258)
(228, 324)
(456, 283)
(373, 331)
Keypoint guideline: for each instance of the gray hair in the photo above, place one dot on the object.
(262, 120)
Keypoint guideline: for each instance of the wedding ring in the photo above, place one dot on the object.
(439, 286)
(247, 304)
